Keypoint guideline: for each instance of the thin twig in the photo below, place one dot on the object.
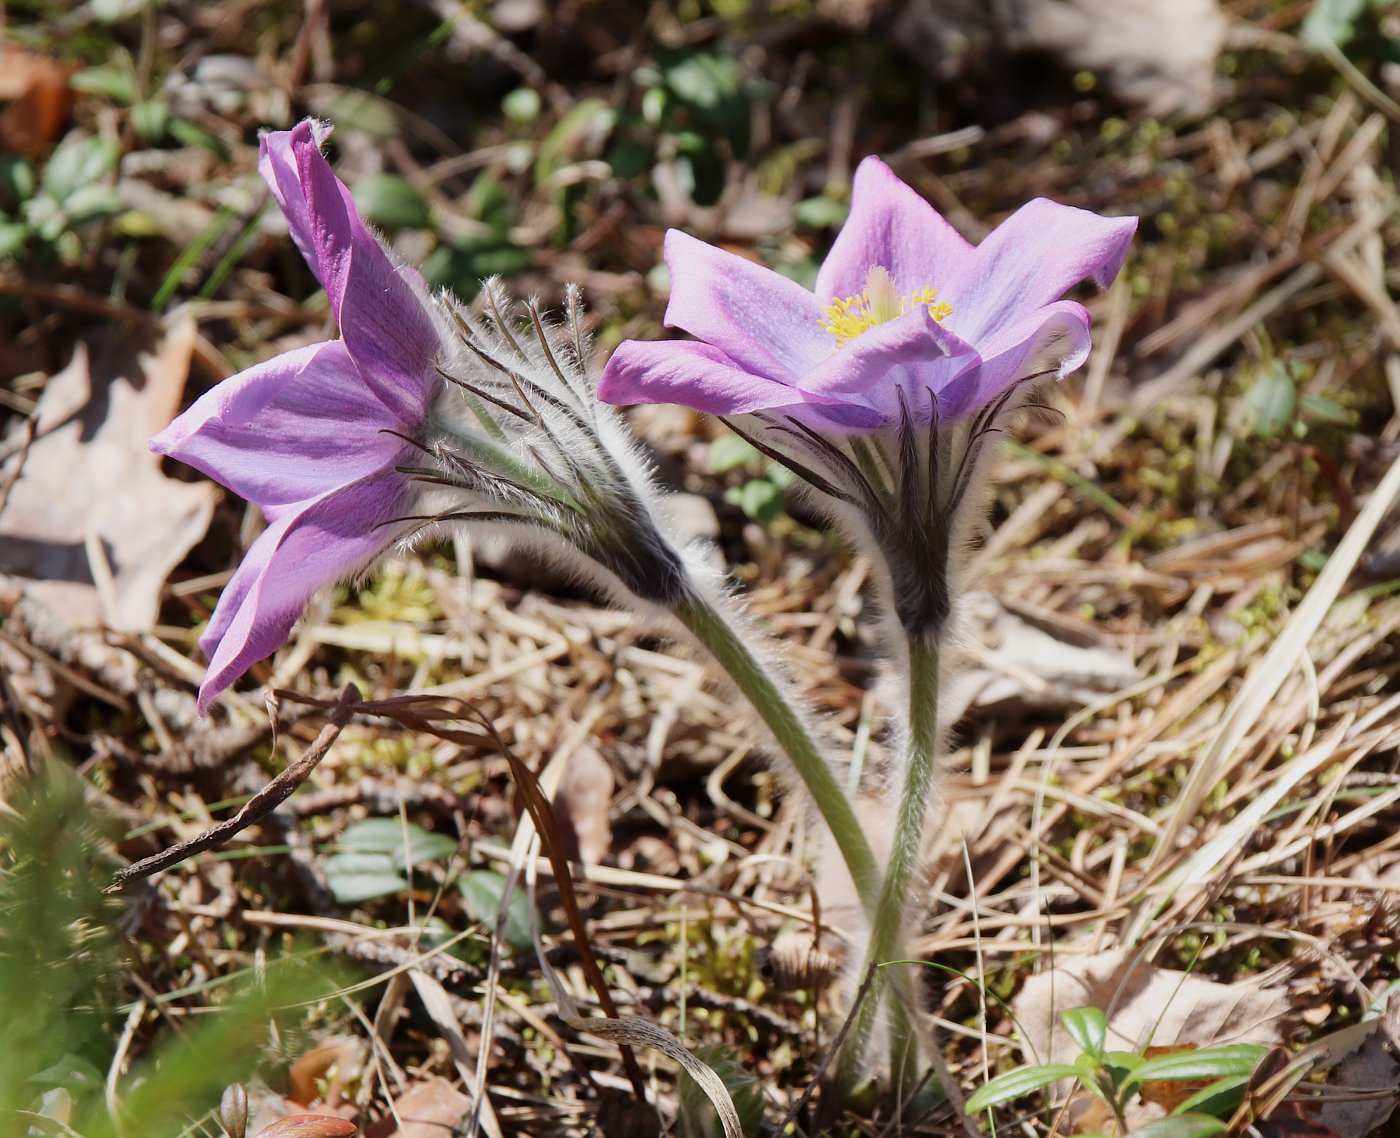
(260, 805)
(833, 1049)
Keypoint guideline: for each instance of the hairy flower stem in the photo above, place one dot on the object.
(891, 914)
(720, 638)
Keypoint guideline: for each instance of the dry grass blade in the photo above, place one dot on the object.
(439, 1007)
(420, 715)
(1264, 681)
(633, 1032)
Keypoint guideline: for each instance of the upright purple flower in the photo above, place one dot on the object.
(881, 388)
(315, 436)
(902, 305)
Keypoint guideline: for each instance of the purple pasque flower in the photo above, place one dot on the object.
(313, 436)
(902, 305)
(882, 388)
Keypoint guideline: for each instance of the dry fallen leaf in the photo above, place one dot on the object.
(40, 99)
(1145, 1006)
(1373, 1066)
(309, 1126)
(581, 806)
(90, 498)
(1041, 661)
(327, 1065)
(1170, 1093)
(1158, 56)
(432, 1109)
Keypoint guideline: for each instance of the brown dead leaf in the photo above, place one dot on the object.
(309, 1126)
(433, 1109)
(1145, 1006)
(90, 497)
(40, 99)
(581, 806)
(1158, 56)
(1373, 1066)
(1170, 1093)
(1040, 661)
(327, 1065)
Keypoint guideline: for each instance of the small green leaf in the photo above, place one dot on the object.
(760, 500)
(110, 11)
(187, 133)
(1121, 1064)
(1207, 1063)
(1088, 1028)
(109, 80)
(1323, 409)
(654, 106)
(1331, 22)
(590, 119)
(780, 475)
(70, 1071)
(78, 162)
(522, 105)
(1220, 1099)
(150, 118)
(1015, 1084)
(16, 180)
(482, 890)
(820, 213)
(1180, 1126)
(356, 877)
(1313, 560)
(404, 843)
(391, 201)
(706, 82)
(1270, 401)
(360, 110)
(729, 452)
(91, 203)
(12, 235)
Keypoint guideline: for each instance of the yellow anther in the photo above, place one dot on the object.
(847, 317)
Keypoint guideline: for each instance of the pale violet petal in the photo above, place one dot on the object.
(288, 429)
(892, 227)
(691, 374)
(1033, 258)
(330, 539)
(766, 324)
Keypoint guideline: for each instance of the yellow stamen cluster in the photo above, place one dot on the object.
(847, 317)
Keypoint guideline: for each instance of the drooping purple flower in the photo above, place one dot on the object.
(313, 435)
(904, 309)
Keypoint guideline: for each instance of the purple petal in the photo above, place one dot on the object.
(382, 318)
(277, 163)
(1057, 336)
(693, 375)
(767, 324)
(286, 430)
(863, 369)
(1033, 258)
(381, 315)
(332, 538)
(893, 227)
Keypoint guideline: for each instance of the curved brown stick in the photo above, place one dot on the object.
(263, 803)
